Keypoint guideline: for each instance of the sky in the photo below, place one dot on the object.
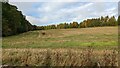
(46, 13)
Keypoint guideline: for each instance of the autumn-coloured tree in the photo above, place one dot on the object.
(112, 21)
(75, 24)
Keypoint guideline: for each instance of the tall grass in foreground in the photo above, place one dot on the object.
(60, 57)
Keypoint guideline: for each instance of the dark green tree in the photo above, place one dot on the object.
(13, 21)
(118, 21)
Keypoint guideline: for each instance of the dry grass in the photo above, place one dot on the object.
(60, 57)
(80, 31)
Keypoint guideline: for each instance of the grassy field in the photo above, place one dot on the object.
(97, 37)
(62, 47)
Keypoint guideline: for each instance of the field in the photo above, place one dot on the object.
(62, 47)
(99, 36)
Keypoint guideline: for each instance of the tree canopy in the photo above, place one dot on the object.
(13, 21)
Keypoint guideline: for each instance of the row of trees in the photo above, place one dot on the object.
(95, 22)
(103, 21)
(13, 22)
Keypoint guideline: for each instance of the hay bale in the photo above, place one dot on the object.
(43, 33)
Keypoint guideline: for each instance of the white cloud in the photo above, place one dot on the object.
(37, 21)
(50, 7)
(90, 10)
(56, 12)
(33, 20)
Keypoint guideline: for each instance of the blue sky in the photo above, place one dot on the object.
(46, 13)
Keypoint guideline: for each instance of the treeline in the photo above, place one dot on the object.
(95, 22)
(13, 21)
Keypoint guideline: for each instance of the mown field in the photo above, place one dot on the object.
(62, 47)
(99, 36)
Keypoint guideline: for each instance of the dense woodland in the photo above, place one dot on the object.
(14, 22)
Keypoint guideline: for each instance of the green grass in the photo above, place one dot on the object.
(68, 46)
(63, 38)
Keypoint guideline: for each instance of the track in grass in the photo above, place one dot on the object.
(71, 47)
(98, 36)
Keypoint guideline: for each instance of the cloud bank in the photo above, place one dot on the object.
(45, 13)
